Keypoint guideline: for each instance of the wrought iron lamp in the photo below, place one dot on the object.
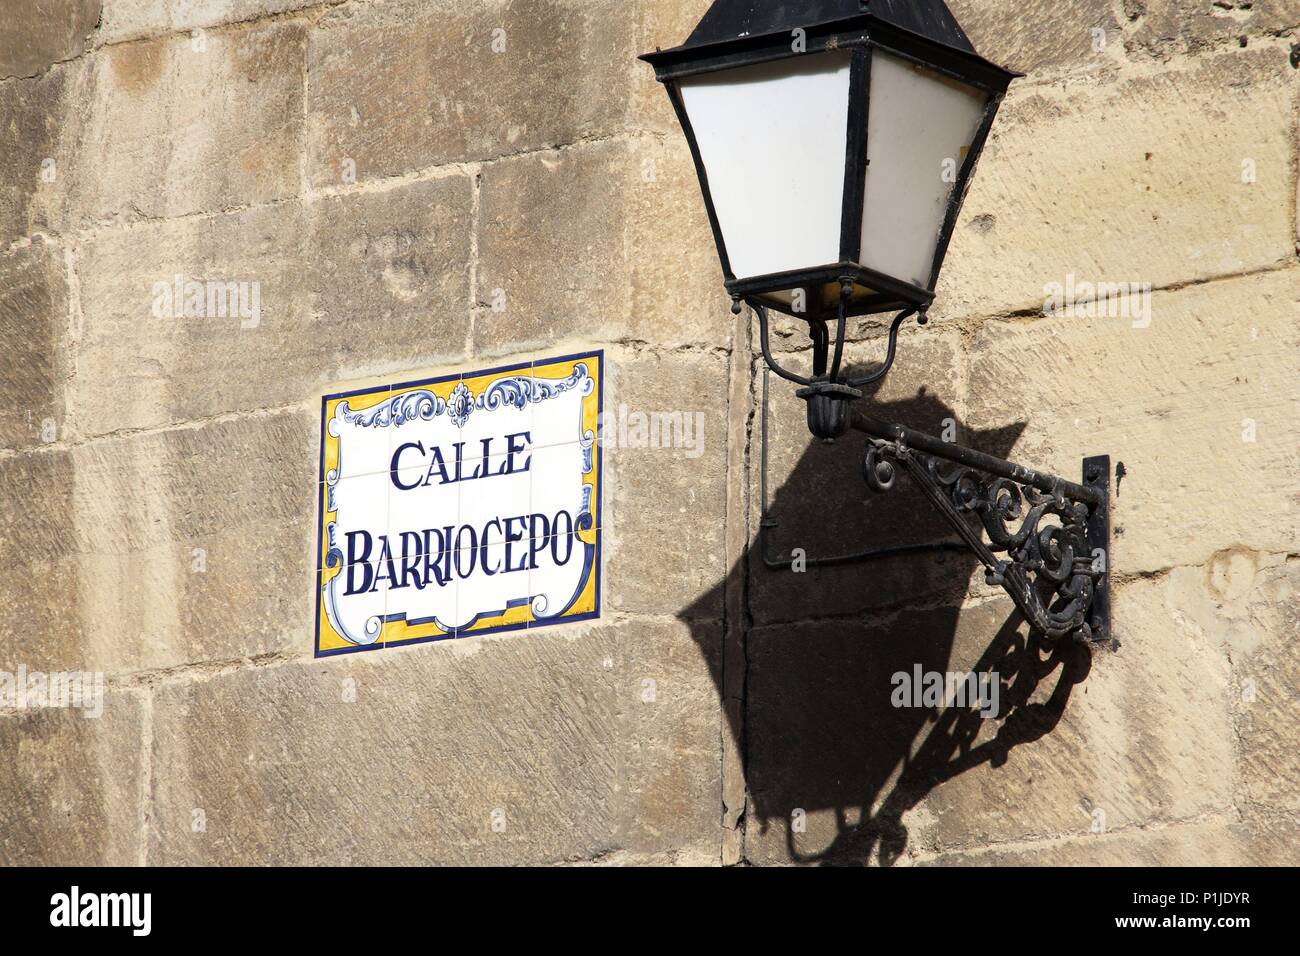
(834, 141)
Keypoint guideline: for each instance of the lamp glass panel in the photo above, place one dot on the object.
(772, 138)
(920, 127)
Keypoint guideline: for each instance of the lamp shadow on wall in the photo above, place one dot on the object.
(817, 728)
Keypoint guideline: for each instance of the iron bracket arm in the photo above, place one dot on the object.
(1048, 538)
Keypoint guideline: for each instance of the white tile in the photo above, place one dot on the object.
(358, 509)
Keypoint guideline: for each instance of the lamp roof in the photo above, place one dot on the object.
(736, 19)
(736, 31)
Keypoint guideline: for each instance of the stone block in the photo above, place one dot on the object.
(606, 241)
(1168, 27)
(34, 36)
(350, 286)
(1092, 180)
(554, 746)
(34, 322)
(1199, 406)
(183, 124)
(821, 505)
(397, 87)
(1036, 39)
(665, 454)
(71, 794)
(1082, 741)
(38, 150)
(1217, 843)
(131, 19)
(162, 549)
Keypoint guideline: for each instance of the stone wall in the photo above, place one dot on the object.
(392, 172)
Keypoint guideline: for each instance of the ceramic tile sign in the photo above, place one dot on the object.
(460, 505)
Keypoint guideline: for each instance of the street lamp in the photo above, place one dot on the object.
(834, 141)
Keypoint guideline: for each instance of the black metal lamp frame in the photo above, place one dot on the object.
(731, 36)
(872, 291)
(828, 393)
(1049, 538)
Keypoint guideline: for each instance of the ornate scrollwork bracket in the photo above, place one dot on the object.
(1048, 539)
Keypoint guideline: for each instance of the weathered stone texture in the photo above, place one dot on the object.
(666, 503)
(663, 24)
(399, 86)
(161, 549)
(676, 294)
(542, 218)
(819, 504)
(1192, 845)
(39, 620)
(158, 128)
(183, 125)
(1140, 180)
(70, 794)
(35, 34)
(1200, 408)
(36, 152)
(1037, 38)
(141, 362)
(33, 331)
(1114, 741)
(130, 19)
(348, 286)
(1257, 616)
(1166, 27)
(596, 740)
(389, 274)
(606, 241)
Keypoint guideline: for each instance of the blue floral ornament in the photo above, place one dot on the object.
(460, 405)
